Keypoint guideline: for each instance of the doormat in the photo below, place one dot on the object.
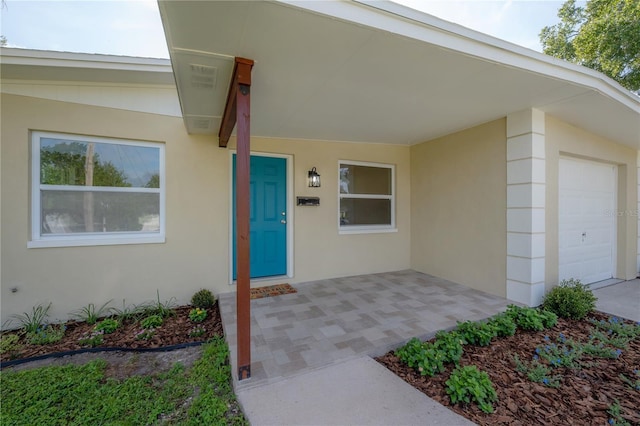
(271, 290)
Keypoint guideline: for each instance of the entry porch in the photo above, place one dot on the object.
(333, 320)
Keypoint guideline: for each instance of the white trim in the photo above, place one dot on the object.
(368, 229)
(97, 240)
(79, 188)
(91, 239)
(289, 217)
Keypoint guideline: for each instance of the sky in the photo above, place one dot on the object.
(133, 28)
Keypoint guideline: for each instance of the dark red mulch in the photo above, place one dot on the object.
(174, 330)
(583, 398)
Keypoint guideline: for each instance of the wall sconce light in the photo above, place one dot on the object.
(314, 178)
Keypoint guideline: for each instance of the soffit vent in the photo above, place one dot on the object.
(203, 77)
(201, 123)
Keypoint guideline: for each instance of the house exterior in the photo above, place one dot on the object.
(439, 149)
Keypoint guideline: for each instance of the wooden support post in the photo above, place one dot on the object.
(237, 111)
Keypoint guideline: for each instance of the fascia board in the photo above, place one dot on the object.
(12, 56)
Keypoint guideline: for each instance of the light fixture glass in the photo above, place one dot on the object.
(314, 178)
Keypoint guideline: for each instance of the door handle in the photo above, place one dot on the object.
(283, 221)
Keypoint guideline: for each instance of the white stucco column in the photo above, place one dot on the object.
(638, 214)
(526, 180)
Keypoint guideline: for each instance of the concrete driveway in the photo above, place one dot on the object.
(622, 299)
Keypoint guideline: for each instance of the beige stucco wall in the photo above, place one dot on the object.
(458, 207)
(562, 139)
(196, 252)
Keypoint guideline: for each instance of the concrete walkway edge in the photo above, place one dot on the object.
(356, 392)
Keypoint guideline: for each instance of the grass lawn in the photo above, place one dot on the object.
(83, 395)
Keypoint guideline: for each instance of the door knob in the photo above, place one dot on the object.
(283, 221)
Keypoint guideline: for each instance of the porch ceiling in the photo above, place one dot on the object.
(375, 72)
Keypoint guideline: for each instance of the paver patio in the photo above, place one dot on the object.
(334, 320)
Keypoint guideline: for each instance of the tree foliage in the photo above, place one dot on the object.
(603, 35)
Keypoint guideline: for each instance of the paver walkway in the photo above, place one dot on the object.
(331, 321)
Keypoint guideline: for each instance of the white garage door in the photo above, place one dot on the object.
(587, 221)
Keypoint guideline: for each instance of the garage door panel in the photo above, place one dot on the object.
(586, 229)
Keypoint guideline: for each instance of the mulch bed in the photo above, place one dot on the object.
(271, 290)
(583, 398)
(174, 330)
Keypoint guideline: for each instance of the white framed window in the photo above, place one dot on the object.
(95, 191)
(366, 197)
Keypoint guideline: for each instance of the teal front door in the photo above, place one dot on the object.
(268, 216)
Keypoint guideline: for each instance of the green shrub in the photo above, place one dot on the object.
(468, 384)
(47, 334)
(424, 357)
(449, 344)
(203, 299)
(107, 326)
(503, 324)
(549, 319)
(35, 320)
(530, 318)
(571, 299)
(152, 321)
(9, 344)
(476, 333)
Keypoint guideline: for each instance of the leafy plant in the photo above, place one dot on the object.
(203, 299)
(90, 314)
(468, 384)
(107, 325)
(32, 322)
(449, 344)
(197, 314)
(549, 319)
(476, 333)
(197, 331)
(616, 326)
(503, 324)
(46, 335)
(145, 334)
(92, 339)
(634, 385)
(528, 318)
(9, 343)
(424, 357)
(615, 411)
(562, 354)
(152, 321)
(571, 299)
(537, 372)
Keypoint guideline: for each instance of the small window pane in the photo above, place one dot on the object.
(68, 212)
(64, 162)
(365, 211)
(365, 180)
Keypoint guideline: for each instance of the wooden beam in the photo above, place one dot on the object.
(241, 75)
(242, 105)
